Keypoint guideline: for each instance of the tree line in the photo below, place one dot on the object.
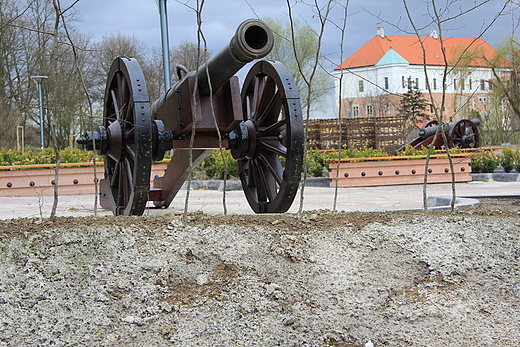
(39, 38)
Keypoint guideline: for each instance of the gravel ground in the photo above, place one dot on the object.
(320, 279)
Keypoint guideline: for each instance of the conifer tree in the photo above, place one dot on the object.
(413, 104)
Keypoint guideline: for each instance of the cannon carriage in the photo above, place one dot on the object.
(460, 134)
(261, 124)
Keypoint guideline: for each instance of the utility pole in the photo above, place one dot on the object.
(165, 44)
(39, 80)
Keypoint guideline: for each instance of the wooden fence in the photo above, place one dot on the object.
(375, 132)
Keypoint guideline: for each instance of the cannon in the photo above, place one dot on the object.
(461, 134)
(261, 124)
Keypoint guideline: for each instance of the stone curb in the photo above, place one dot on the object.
(496, 176)
(444, 203)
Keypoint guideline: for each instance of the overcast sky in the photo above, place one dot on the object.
(221, 17)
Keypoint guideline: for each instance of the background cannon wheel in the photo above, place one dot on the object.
(464, 134)
(127, 120)
(272, 141)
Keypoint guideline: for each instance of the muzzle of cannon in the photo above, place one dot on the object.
(262, 126)
(461, 134)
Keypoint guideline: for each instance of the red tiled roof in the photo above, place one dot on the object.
(410, 49)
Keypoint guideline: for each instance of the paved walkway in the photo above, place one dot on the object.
(387, 198)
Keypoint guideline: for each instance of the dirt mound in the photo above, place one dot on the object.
(319, 279)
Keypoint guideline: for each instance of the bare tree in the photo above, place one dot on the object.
(506, 70)
(309, 66)
(439, 17)
(295, 45)
(188, 54)
(17, 90)
(110, 47)
(342, 28)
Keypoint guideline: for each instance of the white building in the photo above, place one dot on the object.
(374, 77)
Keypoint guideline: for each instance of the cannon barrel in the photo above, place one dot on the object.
(427, 132)
(253, 40)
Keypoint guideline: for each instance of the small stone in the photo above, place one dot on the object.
(133, 320)
(202, 279)
(129, 319)
(289, 321)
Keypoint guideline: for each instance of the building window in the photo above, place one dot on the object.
(361, 86)
(482, 85)
(387, 85)
(355, 111)
(370, 110)
(470, 84)
(434, 84)
(455, 83)
(462, 84)
(403, 82)
(490, 85)
(417, 83)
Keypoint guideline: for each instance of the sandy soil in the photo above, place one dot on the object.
(320, 279)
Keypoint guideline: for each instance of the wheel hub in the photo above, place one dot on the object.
(243, 141)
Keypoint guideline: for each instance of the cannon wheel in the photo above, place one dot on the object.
(464, 134)
(127, 120)
(271, 170)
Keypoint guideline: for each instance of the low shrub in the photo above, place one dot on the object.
(316, 161)
(485, 162)
(214, 165)
(510, 159)
(43, 156)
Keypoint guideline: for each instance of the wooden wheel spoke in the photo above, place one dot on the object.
(274, 167)
(274, 129)
(266, 188)
(247, 106)
(274, 146)
(127, 112)
(130, 136)
(130, 152)
(121, 184)
(258, 90)
(114, 182)
(115, 104)
(129, 173)
(269, 105)
(119, 88)
(256, 182)
(272, 110)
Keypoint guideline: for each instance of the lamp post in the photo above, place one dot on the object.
(38, 80)
(165, 43)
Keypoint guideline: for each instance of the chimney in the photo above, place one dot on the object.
(381, 31)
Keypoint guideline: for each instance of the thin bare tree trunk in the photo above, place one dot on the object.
(340, 107)
(308, 79)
